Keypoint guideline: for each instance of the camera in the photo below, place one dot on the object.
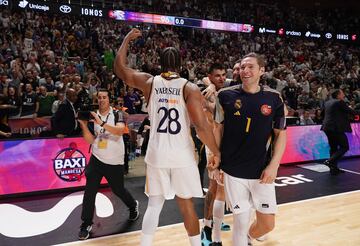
(85, 114)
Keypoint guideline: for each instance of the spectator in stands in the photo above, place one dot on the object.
(305, 119)
(5, 131)
(14, 100)
(290, 94)
(49, 84)
(30, 103)
(60, 99)
(46, 100)
(318, 118)
(4, 83)
(303, 100)
(322, 94)
(131, 100)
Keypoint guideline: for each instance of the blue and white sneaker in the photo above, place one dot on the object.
(206, 236)
(225, 227)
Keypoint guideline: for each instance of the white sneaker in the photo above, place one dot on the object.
(262, 238)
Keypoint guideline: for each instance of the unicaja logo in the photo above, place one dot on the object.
(23, 4)
(308, 34)
(65, 9)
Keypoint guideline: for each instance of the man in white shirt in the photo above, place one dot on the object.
(107, 160)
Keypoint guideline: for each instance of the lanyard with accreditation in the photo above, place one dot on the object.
(103, 138)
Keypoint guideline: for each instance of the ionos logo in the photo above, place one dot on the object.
(23, 4)
(65, 9)
(342, 36)
(4, 2)
(264, 30)
(312, 35)
(328, 35)
(293, 33)
(91, 12)
(70, 163)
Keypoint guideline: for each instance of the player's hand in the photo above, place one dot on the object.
(213, 161)
(133, 34)
(269, 174)
(219, 177)
(209, 91)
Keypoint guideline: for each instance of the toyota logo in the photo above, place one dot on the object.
(328, 35)
(65, 9)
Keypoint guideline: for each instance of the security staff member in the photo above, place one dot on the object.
(107, 161)
(335, 124)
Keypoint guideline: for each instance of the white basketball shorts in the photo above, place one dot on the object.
(242, 194)
(183, 182)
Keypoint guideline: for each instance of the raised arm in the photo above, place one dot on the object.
(130, 76)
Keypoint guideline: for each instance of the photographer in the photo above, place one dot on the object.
(107, 160)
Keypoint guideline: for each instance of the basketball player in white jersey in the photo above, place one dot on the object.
(170, 158)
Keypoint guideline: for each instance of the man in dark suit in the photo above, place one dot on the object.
(64, 121)
(335, 124)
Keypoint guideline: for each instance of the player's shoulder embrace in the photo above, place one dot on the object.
(228, 89)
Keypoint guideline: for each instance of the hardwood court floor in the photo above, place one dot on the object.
(326, 221)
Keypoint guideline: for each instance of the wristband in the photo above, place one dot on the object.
(103, 123)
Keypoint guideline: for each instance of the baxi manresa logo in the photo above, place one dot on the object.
(65, 9)
(70, 163)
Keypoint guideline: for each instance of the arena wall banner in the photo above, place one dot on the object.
(306, 143)
(42, 164)
(32, 126)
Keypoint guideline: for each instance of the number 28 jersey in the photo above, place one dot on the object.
(170, 143)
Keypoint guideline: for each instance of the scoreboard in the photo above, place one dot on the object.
(179, 21)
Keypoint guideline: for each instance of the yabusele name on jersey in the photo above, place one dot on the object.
(70, 163)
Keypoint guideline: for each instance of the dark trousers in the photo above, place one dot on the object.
(126, 138)
(114, 174)
(339, 145)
